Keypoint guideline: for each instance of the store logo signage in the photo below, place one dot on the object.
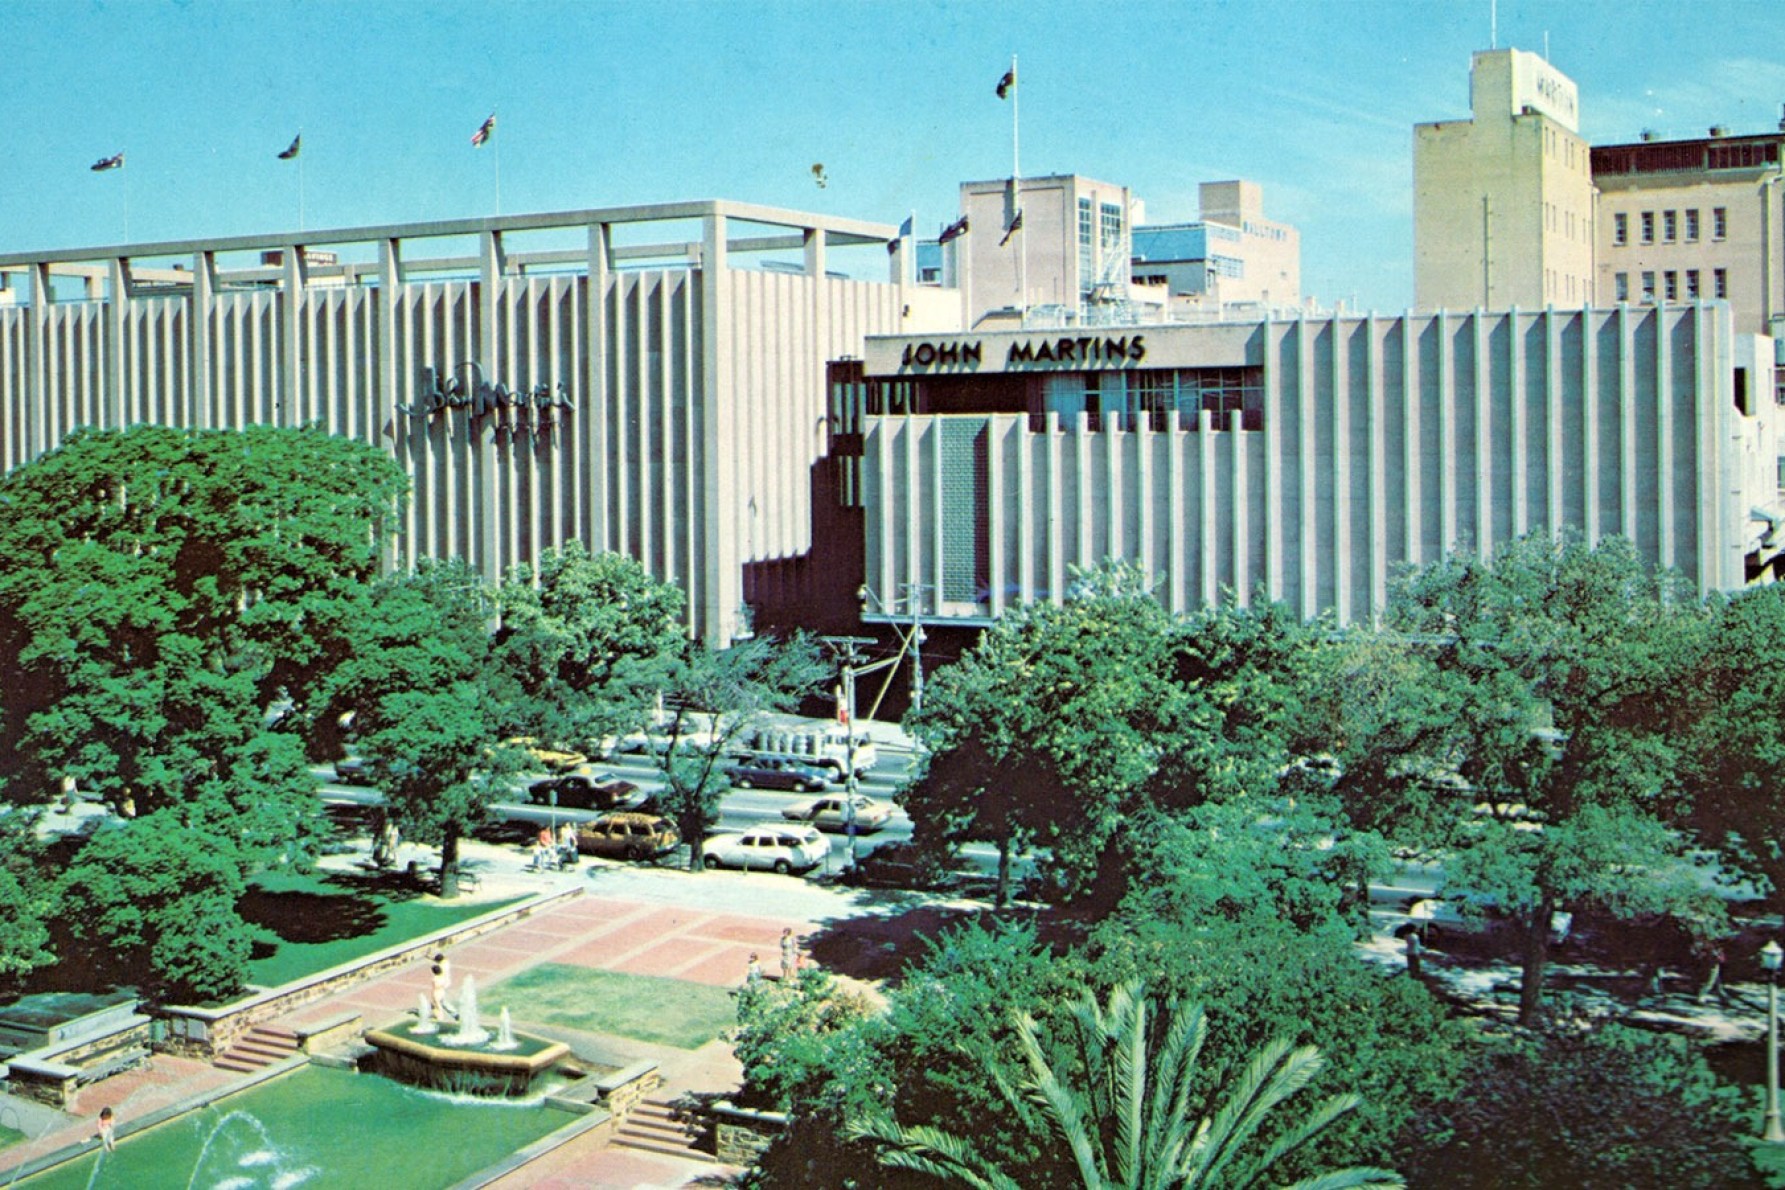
(1094, 350)
(466, 389)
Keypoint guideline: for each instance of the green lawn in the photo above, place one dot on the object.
(644, 1007)
(309, 923)
(9, 1136)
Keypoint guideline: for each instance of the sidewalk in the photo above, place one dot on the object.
(634, 920)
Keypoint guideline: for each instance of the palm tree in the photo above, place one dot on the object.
(1128, 1118)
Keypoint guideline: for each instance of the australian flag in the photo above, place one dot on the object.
(953, 231)
(105, 163)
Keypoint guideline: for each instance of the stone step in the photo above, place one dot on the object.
(671, 1130)
(624, 1141)
(279, 1031)
(238, 1065)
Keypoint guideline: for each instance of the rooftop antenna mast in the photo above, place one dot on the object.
(1493, 27)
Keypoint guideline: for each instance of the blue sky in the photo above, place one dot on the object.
(605, 103)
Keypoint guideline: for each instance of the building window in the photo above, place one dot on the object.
(1781, 475)
(1692, 293)
(1621, 287)
(1720, 282)
(1692, 226)
(1670, 280)
(1620, 229)
(1719, 223)
(1648, 227)
(1670, 226)
(1648, 287)
(1087, 262)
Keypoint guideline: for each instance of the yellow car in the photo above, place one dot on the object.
(550, 759)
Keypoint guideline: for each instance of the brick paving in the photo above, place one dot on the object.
(598, 932)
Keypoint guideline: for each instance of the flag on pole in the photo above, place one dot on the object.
(953, 231)
(905, 229)
(482, 136)
(297, 143)
(1016, 225)
(105, 163)
(1007, 84)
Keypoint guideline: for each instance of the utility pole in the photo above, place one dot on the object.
(849, 658)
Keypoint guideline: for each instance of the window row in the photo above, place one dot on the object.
(1670, 286)
(1671, 226)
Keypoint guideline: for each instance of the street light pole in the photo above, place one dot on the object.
(1770, 955)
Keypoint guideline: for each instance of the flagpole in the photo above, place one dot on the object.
(498, 141)
(124, 168)
(1016, 182)
(300, 160)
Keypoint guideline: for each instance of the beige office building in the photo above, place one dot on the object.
(1068, 259)
(1232, 258)
(1503, 202)
(1691, 219)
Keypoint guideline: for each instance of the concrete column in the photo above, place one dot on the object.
(291, 403)
(722, 576)
(594, 410)
(117, 402)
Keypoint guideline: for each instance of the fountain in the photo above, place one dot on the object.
(424, 1017)
(505, 1035)
(466, 1060)
(471, 1031)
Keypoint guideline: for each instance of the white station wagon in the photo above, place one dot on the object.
(785, 848)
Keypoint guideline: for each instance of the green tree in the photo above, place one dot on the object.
(29, 896)
(1595, 1109)
(1535, 748)
(1119, 1093)
(152, 902)
(586, 646)
(160, 591)
(1044, 731)
(417, 682)
(718, 696)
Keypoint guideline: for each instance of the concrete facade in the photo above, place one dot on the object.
(1070, 254)
(1685, 220)
(1231, 256)
(1309, 459)
(1503, 203)
(639, 394)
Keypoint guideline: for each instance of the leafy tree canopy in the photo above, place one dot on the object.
(586, 646)
(160, 590)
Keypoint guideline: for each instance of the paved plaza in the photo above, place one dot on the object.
(634, 920)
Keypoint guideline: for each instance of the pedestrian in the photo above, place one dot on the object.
(567, 844)
(753, 972)
(442, 1010)
(790, 955)
(106, 1136)
(542, 849)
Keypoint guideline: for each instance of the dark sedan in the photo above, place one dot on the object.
(773, 772)
(580, 791)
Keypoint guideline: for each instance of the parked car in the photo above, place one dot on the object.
(832, 813)
(588, 791)
(627, 836)
(777, 772)
(777, 848)
(554, 760)
(353, 770)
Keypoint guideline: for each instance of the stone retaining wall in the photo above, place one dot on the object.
(742, 1134)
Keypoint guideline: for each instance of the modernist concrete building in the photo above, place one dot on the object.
(1068, 260)
(1681, 220)
(614, 376)
(1503, 202)
(1230, 258)
(1307, 459)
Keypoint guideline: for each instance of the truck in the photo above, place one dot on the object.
(823, 748)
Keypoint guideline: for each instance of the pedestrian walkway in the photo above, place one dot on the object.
(666, 936)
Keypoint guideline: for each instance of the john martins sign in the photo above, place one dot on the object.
(466, 389)
(1079, 351)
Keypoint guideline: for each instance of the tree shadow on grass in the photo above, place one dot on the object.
(353, 907)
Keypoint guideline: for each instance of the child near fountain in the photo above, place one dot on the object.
(442, 1010)
(105, 1129)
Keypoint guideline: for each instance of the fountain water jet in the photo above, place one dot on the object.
(505, 1034)
(424, 1016)
(471, 1031)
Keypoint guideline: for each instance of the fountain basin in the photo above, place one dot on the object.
(425, 1060)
